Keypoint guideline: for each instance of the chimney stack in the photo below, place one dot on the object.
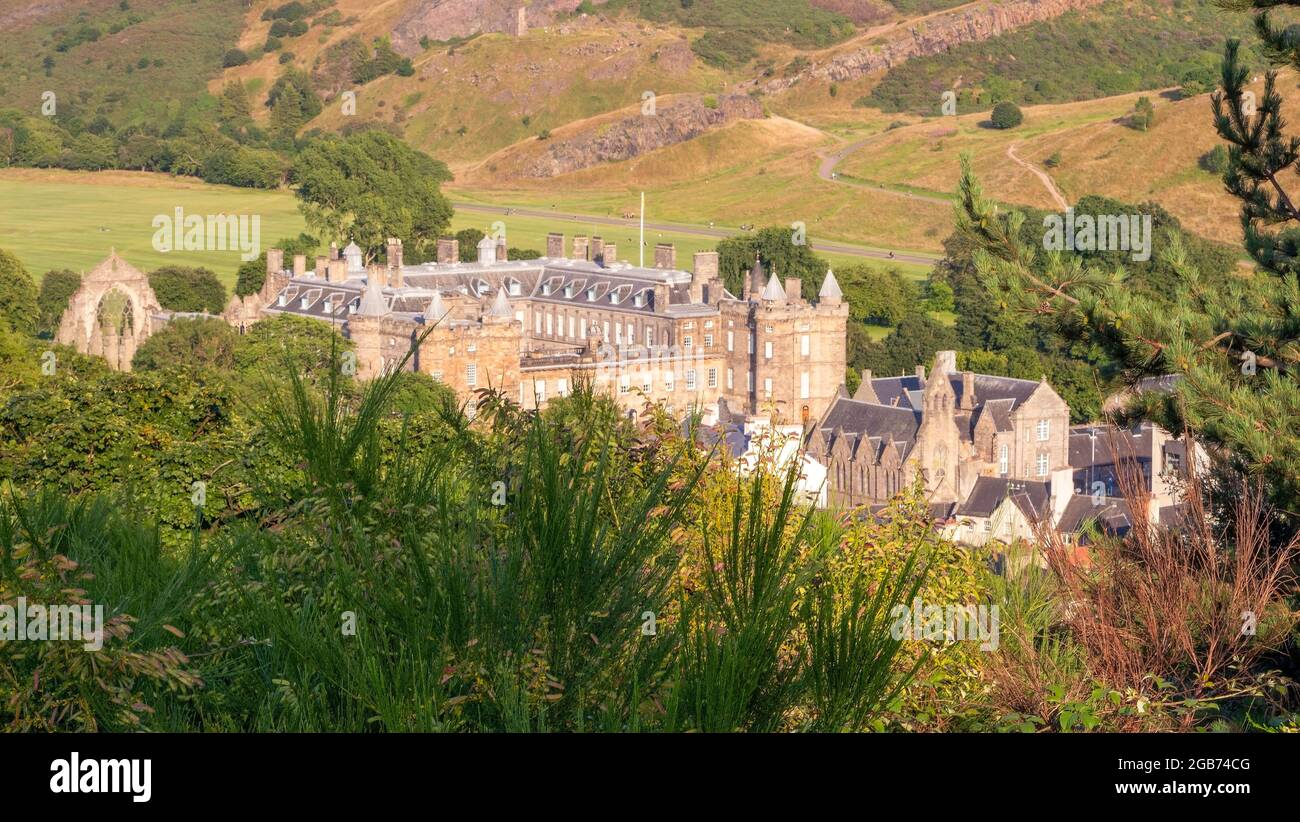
(503, 253)
(393, 251)
(448, 250)
(334, 251)
(299, 264)
(555, 245)
(968, 391)
(336, 270)
(597, 250)
(793, 289)
(275, 260)
(665, 256)
(321, 262)
(920, 374)
(580, 247)
(377, 274)
(610, 254)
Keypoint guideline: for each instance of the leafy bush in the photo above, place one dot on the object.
(1006, 115)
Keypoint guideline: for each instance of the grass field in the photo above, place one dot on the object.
(63, 219)
(66, 219)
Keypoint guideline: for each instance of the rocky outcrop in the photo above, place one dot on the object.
(933, 36)
(452, 19)
(672, 123)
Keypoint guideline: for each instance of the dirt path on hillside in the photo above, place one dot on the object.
(1055, 192)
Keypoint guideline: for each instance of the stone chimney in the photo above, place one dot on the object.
(661, 297)
(610, 254)
(321, 262)
(334, 251)
(336, 270)
(968, 390)
(920, 374)
(665, 255)
(597, 250)
(705, 271)
(793, 289)
(393, 252)
(555, 245)
(377, 274)
(448, 250)
(275, 260)
(580, 247)
(503, 252)
(299, 264)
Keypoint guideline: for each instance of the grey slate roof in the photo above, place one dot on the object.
(989, 492)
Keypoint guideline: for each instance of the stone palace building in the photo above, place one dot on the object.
(530, 328)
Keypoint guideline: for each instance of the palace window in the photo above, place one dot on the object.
(1044, 429)
(713, 378)
(805, 345)
(731, 381)
(1042, 463)
(731, 341)
(767, 350)
(803, 386)
(471, 374)
(767, 386)
(1003, 460)
(708, 340)
(690, 379)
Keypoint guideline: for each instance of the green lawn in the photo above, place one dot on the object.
(72, 219)
(63, 219)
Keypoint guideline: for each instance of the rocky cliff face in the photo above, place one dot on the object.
(934, 36)
(631, 137)
(450, 19)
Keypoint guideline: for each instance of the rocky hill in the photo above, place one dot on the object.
(933, 36)
(441, 20)
(675, 122)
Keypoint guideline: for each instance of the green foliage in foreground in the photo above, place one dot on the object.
(386, 588)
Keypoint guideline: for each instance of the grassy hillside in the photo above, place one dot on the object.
(1118, 47)
(131, 61)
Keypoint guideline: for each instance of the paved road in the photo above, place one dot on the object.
(827, 172)
(560, 217)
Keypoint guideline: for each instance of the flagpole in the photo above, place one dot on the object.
(641, 264)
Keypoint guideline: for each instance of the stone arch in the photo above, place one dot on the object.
(111, 314)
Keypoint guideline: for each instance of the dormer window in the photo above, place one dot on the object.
(546, 289)
(568, 290)
(304, 302)
(283, 300)
(352, 306)
(639, 300)
(591, 294)
(515, 288)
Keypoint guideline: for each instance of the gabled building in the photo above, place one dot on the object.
(530, 328)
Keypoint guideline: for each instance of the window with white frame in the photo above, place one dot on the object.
(804, 391)
(805, 346)
(1044, 429)
(562, 387)
(767, 387)
(713, 378)
(1003, 460)
(624, 384)
(550, 324)
(731, 340)
(690, 379)
(767, 350)
(731, 379)
(688, 341)
(471, 374)
(708, 340)
(1042, 463)
(649, 337)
